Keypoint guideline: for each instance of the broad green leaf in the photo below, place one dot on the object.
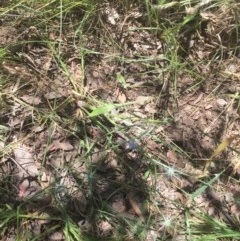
(102, 110)
(105, 108)
(121, 80)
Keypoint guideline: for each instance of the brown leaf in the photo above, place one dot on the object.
(121, 97)
(14, 121)
(53, 95)
(28, 188)
(23, 186)
(119, 204)
(151, 145)
(142, 100)
(136, 207)
(56, 236)
(104, 228)
(47, 63)
(25, 161)
(76, 73)
(172, 157)
(57, 145)
(221, 102)
(235, 162)
(31, 100)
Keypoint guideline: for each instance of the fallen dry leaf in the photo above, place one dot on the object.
(104, 228)
(14, 121)
(57, 145)
(120, 96)
(119, 204)
(209, 106)
(76, 73)
(235, 162)
(172, 156)
(53, 95)
(47, 63)
(151, 145)
(221, 102)
(23, 186)
(31, 100)
(136, 207)
(142, 100)
(56, 236)
(198, 99)
(38, 129)
(24, 159)
(28, 188)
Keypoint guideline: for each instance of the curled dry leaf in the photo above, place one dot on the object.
(23, 186)
(24, 159)
(28, 188)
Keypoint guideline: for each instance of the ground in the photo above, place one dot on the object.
(119, 121)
